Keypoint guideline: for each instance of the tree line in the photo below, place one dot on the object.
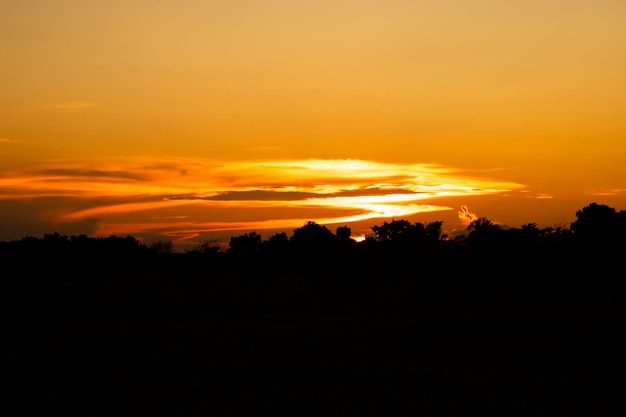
(594, 242)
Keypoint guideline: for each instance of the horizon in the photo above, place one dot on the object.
(465, 216)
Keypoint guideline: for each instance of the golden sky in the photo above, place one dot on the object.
(179, 119)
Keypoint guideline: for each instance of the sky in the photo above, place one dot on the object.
(195, 120)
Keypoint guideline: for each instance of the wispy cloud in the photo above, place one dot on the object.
(70, 106)
(466, 216)
(264, 148)
(193, 195)
(7, 140)
(609, 192)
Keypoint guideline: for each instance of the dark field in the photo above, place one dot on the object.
(311, 342)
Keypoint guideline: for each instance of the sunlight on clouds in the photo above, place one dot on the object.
(609, 193)
(188, 230)
(172, 188)
(123, 208)
(466, 216)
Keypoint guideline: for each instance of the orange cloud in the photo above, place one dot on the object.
(466, 216)
(609, 193)
(118, 191)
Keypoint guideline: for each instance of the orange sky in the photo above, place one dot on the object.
(183, 119)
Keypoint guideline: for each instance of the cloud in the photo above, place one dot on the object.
(70, 106)
(35, 217)
(92, 173)
(189, 228)
(609, 192)
(466, 216)
(278, 195)
(82, 227)
(192, 196)
(254, 195)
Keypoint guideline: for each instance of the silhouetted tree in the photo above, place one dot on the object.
(55, 240)
(162, 247)
(483, 229)
(433, 231)
(209, 247)
(313, 236)
(597, 224)
(391, 232)
(531, 230)
(595, 241)
(402, 233)
(485, 239)
(245, 245)
(278, 242)
(343, 234)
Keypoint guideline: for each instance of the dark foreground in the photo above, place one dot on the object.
(243, 343)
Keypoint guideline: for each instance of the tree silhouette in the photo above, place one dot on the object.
(402, 233)
(278, 242)
(594, 240)
(343, 234)
(485, 239)
(597, 224)
(162, 247)
(433, 231)
(313, 236)
(209, 247)
(245, 245)
(392, 232)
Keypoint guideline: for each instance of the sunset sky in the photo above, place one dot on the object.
(194, 120)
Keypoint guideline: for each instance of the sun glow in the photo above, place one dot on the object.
(185, 198)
